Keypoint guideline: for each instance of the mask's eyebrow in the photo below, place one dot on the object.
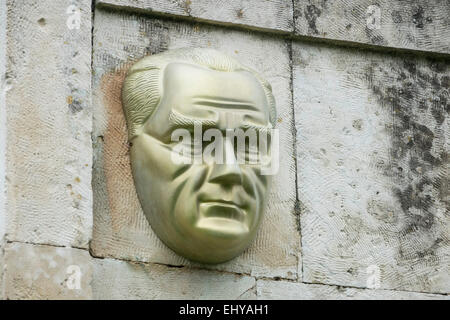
(178, 120)
(224, 103)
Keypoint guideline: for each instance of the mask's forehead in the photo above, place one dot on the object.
(187, 87)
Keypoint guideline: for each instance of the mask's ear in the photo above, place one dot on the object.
(140, 95)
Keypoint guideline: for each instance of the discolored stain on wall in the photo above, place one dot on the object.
(407, 24)
(372, 159)
(116, 161)
(157, 34)
(417, 98)
(311, 15)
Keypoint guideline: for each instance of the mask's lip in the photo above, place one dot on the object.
(223, 227)
(221, 202)
(227, 210)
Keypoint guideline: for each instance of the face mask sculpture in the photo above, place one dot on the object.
(207, 211)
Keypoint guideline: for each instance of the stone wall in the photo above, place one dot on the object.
(2, 136)
(359, 208)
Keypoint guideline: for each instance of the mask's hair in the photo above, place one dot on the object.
(142, 88)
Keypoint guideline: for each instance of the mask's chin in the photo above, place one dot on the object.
(215, 233)
(196, 225)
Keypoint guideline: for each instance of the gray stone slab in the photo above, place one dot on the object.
(372, 152)
(2, 268)
(120, 228)
(274, 290)
(412, 24)
(3, 136)
(273, 15)
(124, 280)
(48, 123)
(40, 272)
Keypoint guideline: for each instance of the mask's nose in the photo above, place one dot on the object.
(229, 172)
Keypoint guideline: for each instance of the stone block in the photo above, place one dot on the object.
(274, 15)
(40, 272)
(120, 228)
(412, 24)
(126, 280)
(48, 157)
(372, 152)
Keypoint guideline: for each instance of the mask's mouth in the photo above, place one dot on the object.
(224, 218)
(222, 209)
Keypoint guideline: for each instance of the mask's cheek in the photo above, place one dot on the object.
(255, 184)
(256, 191)
(153, 158)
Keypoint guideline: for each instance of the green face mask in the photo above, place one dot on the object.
(206, 209)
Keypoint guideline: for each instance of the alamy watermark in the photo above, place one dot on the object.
(373, 17)
(373, 280)
(74, 19)
(74, 277)
(253, 146)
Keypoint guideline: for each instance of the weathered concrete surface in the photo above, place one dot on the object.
(120, 228)
(43, 272)
(409, 24)
(124, 280)
(273, 15)
(372, 152)
(271, 290)
(3, 88)
(2, 140)
(48, 124)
